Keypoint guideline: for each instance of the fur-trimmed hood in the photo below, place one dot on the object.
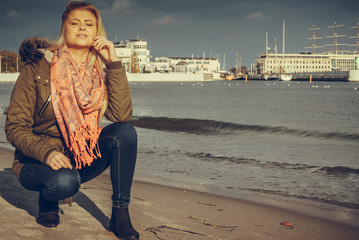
(33, 49)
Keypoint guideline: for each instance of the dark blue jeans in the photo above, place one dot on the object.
(118, 147)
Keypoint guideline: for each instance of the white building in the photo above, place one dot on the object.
(195, 65)
(136, 58)
(161, 64)
(123, 52)
(301, 63)
(134, 55)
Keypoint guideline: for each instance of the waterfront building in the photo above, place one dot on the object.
(134, 55)
(185, 65)
(161, 64)
(195, 64)
(123, 52)
(304, 62)
(136, 58)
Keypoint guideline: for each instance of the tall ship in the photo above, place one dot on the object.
(332, 64)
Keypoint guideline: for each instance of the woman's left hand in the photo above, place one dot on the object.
(105, 48)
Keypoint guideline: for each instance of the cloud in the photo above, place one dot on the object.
(166, 20)
(124, 6)
(12, 13)
(255, 16)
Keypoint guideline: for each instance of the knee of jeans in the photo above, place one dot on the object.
(65, 184)
(124, 133)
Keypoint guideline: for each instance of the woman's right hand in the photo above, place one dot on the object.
(57, 160)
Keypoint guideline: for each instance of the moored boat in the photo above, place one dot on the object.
(285, 77)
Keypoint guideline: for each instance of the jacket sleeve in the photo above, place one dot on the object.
(20, 118)
(119, 95)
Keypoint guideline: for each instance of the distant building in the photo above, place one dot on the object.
(136, 58)
(195, 65)
(134, 55)
(161, 64)
(185, 65)
(301, 63)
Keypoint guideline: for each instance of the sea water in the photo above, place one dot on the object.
(296, 140)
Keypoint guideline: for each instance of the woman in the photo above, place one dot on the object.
(59, 98)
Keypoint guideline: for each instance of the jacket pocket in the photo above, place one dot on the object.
(42, 79)
(43, 108)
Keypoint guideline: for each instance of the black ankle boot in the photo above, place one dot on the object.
(48, 213)
(120, 224)
(48, 219)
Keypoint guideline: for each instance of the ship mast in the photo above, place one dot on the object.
(335, 38)
(239, 60)
(314, 38)
(283, 37)
(236, 64)
(357, 37)
(267, 49)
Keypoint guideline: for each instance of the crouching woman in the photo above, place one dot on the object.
(63, 91)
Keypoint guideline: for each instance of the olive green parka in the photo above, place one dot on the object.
(31, 125)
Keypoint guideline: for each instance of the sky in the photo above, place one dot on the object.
(182, 28)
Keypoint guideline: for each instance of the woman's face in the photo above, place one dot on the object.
(81, 28)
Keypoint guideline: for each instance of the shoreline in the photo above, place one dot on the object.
(307, 207)
(157, 210)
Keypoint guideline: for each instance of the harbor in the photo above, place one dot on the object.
(331, 64)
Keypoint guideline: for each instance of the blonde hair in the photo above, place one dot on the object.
(61, 40)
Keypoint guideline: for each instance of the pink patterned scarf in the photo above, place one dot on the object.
(77, 97)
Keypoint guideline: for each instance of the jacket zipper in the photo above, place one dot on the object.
(43, 108)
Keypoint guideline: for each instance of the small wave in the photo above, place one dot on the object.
(211, 127)
(249, 161)
(312, 198)
(339, 170)
(210, 158)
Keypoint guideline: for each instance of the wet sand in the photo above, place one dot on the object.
(158, 212)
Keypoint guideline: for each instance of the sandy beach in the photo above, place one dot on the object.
(158, 212)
